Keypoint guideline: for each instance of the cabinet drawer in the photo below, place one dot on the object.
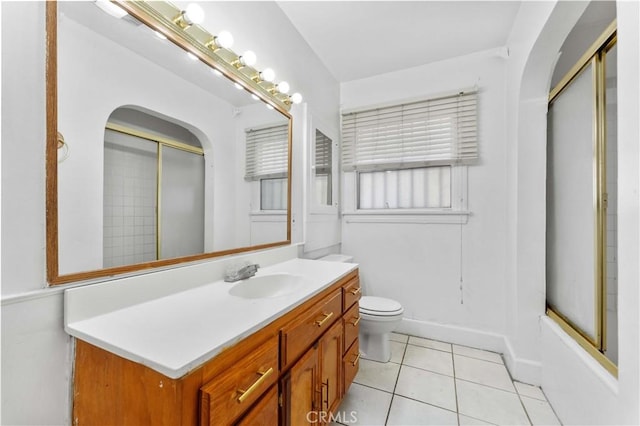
(230, 394)
(352, 293)
(351, 321)
(300, 333)
(265, 412)
(350, 364)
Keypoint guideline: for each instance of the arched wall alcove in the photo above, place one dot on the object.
(580, 390)
(533, 54)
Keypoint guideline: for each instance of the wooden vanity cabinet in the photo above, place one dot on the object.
(293, 371)
(314, 386)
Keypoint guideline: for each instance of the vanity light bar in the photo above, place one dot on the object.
(169, 20)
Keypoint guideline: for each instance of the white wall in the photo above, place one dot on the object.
(420, 264)
(36, 360)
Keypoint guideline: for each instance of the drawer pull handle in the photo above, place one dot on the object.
(357, 320)
(325, 319)
(355, 290)
(244, 394)
(355, 361)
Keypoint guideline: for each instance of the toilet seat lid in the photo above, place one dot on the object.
(373, 305)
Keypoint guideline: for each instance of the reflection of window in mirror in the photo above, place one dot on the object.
(273, 194)
(322, 182)
(267, 153)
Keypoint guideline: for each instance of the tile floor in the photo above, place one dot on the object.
(435, 383)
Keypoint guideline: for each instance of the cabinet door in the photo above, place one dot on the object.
(265, 412)
(331, 368)
(301, 391)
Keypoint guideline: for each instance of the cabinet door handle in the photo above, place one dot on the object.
(325, 319)
(355, 290)
(357, 320)
(355, 361)
(244, 394)
(326, 400)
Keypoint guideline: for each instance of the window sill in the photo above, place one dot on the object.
(407, 216)
(268, 216)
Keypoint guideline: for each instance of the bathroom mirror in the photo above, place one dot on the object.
(322, 170)
(150, 153)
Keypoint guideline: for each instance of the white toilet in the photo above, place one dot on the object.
(379, 316)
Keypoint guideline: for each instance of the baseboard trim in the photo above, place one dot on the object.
(521, 369)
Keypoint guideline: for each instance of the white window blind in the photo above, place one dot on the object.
(267, 152)
(323, 153)
(434, 131)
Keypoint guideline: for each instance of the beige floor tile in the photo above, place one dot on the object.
(364, 406)
(407, 412)
(431, 344)
(489, 404)
(397, 351)
(429, 359)
(378, 375)
(483, 372)
(425, 386)
(530, 391)
(477, 353)
(470, 421)
(540, 412)
(398, 337)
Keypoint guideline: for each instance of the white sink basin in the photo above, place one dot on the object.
(264, 286)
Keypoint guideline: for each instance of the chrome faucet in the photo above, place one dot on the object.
(240, 272)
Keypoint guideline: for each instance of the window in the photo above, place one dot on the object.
(427, 187)
(411, 156)
(267, 158)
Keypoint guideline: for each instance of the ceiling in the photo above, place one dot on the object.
(359, 39)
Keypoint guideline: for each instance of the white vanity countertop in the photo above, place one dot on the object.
(177, 333)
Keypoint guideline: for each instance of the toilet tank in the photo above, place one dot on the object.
(337, 258)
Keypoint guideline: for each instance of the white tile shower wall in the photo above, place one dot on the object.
(130, 187)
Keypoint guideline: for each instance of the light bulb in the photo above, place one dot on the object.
(269, 106)
(255, 97)
(248, 58)
(268, 75)
(224, 39)
(283, 87)
(216, 72)
(192, 56)
(160, 35)
(296, 98)
(238, 86)
(194, 14)
(111, 8)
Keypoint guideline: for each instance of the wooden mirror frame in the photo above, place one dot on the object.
(181, 40)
